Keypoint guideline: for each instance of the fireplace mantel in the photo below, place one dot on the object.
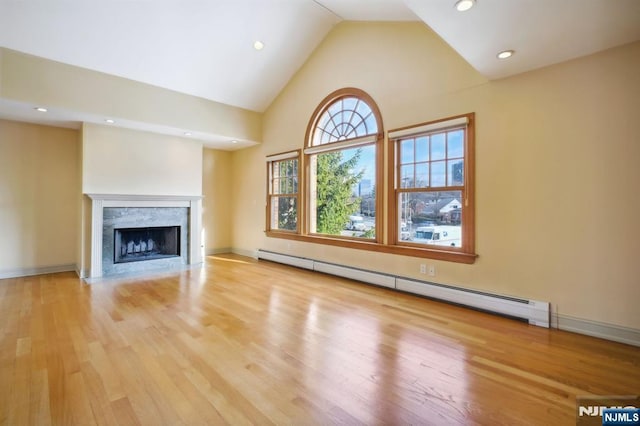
(100, 201)
(142, 198)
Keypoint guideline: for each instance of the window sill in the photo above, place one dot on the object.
(427, 253)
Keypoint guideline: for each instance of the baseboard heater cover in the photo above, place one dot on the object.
(299, 262)
(356, 274)
(535, 312)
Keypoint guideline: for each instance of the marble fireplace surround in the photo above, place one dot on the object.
(100, 201)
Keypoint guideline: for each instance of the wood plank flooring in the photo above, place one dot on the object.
(246, 342)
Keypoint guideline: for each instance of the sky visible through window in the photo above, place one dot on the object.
(366, 164)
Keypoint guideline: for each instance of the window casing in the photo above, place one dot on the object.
(283, 199)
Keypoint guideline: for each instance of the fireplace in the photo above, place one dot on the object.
(139, 244)
(138, 219)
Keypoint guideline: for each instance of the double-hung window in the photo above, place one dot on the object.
(432, 197)
(283, 196)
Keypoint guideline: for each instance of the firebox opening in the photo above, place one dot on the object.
(138, 244)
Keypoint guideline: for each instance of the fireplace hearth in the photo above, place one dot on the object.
(140, 244)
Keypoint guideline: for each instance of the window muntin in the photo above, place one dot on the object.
(346, 118)
(282, 203)
(431, 190)
(432, 160)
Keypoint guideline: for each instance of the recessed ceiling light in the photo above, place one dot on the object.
(188, 133)
(464, 5)
(41, 109)
(109, 121)
(505, 54)
(258, 45)
(234, 141)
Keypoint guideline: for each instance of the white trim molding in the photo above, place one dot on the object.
(221, 250)
(243, 252)
(27, 272)
(616, 333)
(100, 201)
(97, 210)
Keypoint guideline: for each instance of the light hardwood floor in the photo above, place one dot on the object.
(246, 342)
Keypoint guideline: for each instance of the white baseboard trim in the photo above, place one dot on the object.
(211, 252)
(27, 272)
(616, 333)
(243, 252)
(82, 274)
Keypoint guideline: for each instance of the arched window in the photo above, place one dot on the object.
(343, 152)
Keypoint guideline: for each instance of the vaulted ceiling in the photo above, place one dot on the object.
(206, 48)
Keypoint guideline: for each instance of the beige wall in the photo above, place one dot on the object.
(39, 184)
(556, 177)
(38, 81)
(122, 161)
(216, 204)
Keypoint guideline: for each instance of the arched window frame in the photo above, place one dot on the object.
(375, 138)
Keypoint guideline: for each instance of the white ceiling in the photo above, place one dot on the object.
(205, 47)
(542, 32)
(199, 47)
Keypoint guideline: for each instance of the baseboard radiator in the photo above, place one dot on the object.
(533, 311)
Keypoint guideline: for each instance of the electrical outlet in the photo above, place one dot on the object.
(432, 271)
(423, 268)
